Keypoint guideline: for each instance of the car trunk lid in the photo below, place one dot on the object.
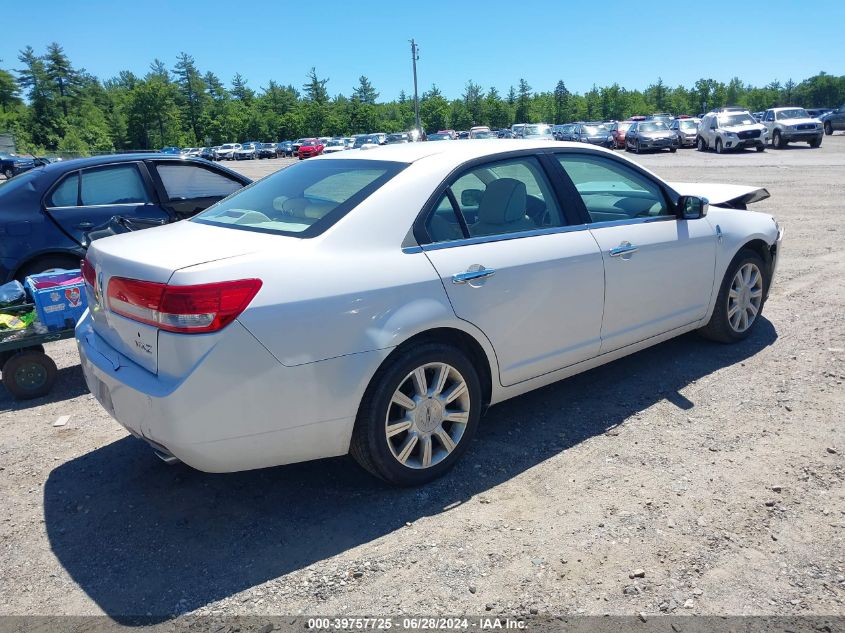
(153, 255)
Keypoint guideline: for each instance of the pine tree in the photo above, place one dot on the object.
(61, 74)
(561, 103)
(523, 102)
(192, 89)
(315, 89)
(364, 91)
(240, 91)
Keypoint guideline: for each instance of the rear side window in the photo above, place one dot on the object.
(499, 198)
(302, 200)
(67, 193)
(118, 184)
(185, 182)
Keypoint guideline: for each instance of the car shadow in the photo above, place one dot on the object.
(69, 384)
(144, 540)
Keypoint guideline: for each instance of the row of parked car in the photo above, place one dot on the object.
(728, 128)
(724, 129)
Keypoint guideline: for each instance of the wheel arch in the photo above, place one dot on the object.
(767, 253)
(481, 355)
(31, 259)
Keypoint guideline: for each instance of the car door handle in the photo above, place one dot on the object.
(85, 225)
(472, 275)
(625, 248)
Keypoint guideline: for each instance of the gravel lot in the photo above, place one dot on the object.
(689, 478)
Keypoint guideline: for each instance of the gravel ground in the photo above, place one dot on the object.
(689, 478)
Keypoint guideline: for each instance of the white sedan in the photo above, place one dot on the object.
(376, 303)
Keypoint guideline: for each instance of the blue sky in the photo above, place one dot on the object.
(494, 43)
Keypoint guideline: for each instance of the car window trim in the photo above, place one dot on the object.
(419, 228)
(486, 239)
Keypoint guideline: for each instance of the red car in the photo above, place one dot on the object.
(310, 147)
(618, 132)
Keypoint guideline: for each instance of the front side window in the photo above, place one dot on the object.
(117, 184)
(187, 182)
(612, 191)
(303, 200)
(498, 198)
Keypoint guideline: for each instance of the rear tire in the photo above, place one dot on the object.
(8, 173)
(47, 264)
(734, 298)
(386, 432)
(29, 374)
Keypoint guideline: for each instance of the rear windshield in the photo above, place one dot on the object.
(303, 200)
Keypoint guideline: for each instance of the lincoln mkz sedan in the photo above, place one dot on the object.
(376, 303)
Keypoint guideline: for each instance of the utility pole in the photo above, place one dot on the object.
(415, 55)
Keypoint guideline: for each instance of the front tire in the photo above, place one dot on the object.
(418, 415)
(740, 301)
(777, 140)
(719, 148)
(8, 173)
(816, 142)
(700, 145)
(828, 128)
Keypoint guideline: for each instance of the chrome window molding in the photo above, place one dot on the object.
(94, 206)
(486, 239)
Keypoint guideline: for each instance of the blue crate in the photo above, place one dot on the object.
(59, 300)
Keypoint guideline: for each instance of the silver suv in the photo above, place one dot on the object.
(787, 125)
(730, 130)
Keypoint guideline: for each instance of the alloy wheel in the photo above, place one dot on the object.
(745, 297)
(427, 416)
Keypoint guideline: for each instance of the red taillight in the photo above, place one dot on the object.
(88, 272)
(186, 309)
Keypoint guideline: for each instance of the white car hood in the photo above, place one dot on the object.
(742, 128)
(731, 195)
(801, 121)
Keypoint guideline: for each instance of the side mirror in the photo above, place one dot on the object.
(470, 197)
(692, 207)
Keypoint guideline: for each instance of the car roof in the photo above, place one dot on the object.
(110, 159)
(65, 166)
(458, 151)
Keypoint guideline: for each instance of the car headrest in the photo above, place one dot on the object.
(503, 202)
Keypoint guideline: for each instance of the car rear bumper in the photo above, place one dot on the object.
(238, 408)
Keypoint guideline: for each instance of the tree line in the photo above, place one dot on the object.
(50, 105)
